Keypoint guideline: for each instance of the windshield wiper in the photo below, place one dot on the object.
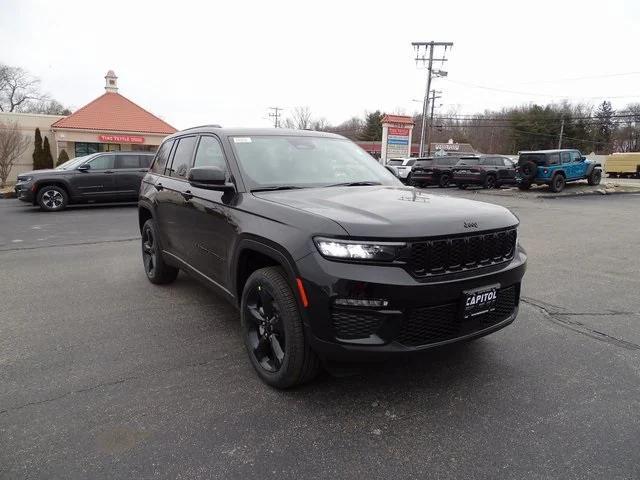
(353, 184)
(279, 187)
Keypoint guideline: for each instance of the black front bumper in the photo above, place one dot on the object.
(23, 192)
(419, 315)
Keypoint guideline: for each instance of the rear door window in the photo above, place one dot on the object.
(554, 159)
(161, 158)
(182, 157)
(424, 163)
(410, 162)
(566, 158)
(395, 162)
(127, 161)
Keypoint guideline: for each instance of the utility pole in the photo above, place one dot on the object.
(275, 114)
(561, 133)
(424, 54)
(433, 106)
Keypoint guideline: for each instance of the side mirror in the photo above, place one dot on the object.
(84, 167)
(583, 158)
(212, 178)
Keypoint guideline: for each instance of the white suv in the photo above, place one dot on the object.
(403, 165)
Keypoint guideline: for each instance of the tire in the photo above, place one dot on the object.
(408, 181)
(528, 170)
(157, 270)
(52, 198)
(557, 183)
(490, 182)
(443, 181)
(595, 177)
(463, 186)
(273, 333)
(524, 186)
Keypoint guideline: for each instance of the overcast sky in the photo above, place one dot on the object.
(227, 62)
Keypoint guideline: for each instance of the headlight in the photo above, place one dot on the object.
(358, 250)
(23, 179)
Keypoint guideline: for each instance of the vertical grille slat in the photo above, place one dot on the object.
(441, 256)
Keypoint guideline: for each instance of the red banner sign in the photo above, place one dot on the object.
(120, 139)
(399, 131)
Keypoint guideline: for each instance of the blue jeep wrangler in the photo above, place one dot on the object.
(555, 168)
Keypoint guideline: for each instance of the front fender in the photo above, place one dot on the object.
(591, 167)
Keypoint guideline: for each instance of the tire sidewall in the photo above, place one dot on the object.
(444, 180)
(149, 225)
(595, 177)
(289, 371)
(47, 188)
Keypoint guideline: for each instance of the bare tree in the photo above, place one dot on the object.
(300, 119)
(12, 145)
(18, 89)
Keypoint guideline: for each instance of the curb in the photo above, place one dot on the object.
(591, 193)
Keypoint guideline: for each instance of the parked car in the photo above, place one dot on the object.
(99, 177)
(433, 171)
(623, 165)
(325, 253)
(487, 171)
(402, 166)
(555, 168)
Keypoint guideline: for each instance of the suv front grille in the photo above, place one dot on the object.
(448, 255)
(426, 325)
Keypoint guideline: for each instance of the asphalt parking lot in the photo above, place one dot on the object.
(104, 375)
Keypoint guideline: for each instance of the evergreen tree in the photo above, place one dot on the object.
(62, 157)
(372, 130)
(47, 158)
(604, 128)
(37, 151)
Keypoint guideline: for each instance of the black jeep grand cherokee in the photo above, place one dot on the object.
(326, 254)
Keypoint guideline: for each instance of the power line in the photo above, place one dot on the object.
(531, 94)
(586, 77)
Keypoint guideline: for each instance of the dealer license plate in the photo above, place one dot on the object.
(479, 301)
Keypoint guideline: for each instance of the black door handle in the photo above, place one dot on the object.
(187, 195)
(158, 186)
(108, 171)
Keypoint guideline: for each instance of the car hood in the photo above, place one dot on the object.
(46, 171)
(394, 212)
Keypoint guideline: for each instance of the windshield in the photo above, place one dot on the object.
(395, 161)
(73, 163)
(273, 161)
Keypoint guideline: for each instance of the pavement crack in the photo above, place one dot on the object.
(558, 317)
(111, 383)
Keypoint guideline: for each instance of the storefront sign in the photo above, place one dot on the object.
(120, 139)
(451, 147)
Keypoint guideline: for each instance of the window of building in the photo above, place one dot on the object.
(84, 148)
(161, 158)
(210, 154)
(182, 158)
(102, 162)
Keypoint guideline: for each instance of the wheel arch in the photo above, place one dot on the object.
(145, 212)
(592, 167)
(47, 183)
(253, 253)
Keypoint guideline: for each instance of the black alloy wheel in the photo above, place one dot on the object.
(490, 182)
(265, 332)
(273, 332)
(154, 266)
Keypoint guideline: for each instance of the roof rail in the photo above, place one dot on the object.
(214, 125)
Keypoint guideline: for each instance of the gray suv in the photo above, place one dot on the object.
(99, 177)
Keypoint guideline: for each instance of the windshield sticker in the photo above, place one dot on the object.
(242, 139)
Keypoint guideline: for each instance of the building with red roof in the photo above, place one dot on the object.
(110, 122)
